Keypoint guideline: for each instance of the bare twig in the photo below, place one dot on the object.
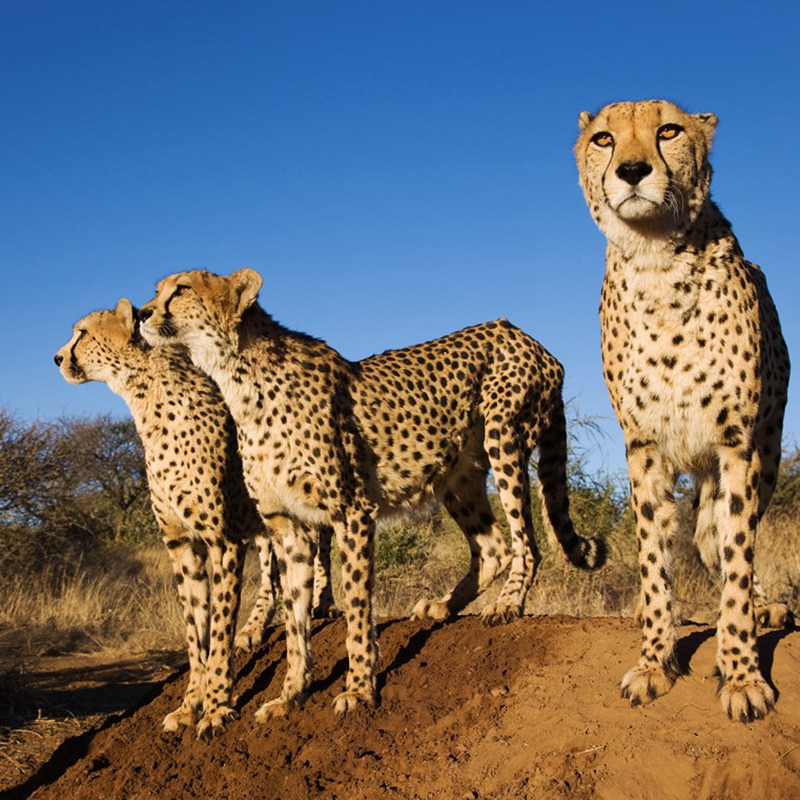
(789, 751)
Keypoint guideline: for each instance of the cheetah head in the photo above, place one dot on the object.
(200, 311)
(644, 166)
(94, 352)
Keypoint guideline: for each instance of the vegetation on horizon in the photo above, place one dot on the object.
(83, 569)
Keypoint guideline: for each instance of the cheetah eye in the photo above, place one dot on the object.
(603, 139)
(179, 291)
(670, 131)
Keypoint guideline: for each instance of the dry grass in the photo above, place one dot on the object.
(124, 607)
(778, 556)
(127, 603)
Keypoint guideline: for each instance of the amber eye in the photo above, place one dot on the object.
(666, 132)
(179, 290)
(603, 139)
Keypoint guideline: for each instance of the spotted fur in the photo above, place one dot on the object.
(697, 371)
(198, 497)
(328, 441)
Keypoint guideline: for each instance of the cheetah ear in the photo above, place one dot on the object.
(125, 313)
(246, 284)
(710, 120)
(708, 124)
(584, 120)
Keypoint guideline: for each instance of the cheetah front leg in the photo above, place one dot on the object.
(188, 561)
(744, 693)
(295, 551)
(356, 537)
(652, 485)
(227, 560)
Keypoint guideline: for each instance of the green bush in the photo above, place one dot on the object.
(404, 541)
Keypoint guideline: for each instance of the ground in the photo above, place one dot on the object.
(527, 710)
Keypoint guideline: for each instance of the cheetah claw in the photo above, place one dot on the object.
(248, 641)
(501, 613)
(349, 701)
(643, 685)
(214, 724)
(747, 700)
(176, 720)
(279, 707)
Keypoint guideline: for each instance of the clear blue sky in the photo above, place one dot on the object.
(395, 169)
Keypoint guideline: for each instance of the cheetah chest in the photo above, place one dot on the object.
(668, 370)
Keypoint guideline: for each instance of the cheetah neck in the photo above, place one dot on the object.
(641, 252)
(131, 376)
(140, 387)
(247, 364)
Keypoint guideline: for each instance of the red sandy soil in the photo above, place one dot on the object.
(527, 710)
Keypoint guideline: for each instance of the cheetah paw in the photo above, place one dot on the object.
(642, 685)
(774, 615)
(430, 609)
(499, 613)
(748, 699)
(326, 611)
(176, 720)
(247, 641)
(279, 707)
(214, 723)
(350, 701)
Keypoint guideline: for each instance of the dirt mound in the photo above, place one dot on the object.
(528, 710)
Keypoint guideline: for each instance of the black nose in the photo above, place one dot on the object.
(633, 171)
(143, 313)
(59, 360)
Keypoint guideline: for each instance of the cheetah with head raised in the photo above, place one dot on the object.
(328, 441)
(697, 371)
(198, 497)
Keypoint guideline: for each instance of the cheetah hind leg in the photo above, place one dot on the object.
(768, 614)
(490, 554)
(509, 457)
(254, 632)
(586, 554)
(324, 606)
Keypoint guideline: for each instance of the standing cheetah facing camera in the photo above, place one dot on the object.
(198, 497)
(697, 371)
(328, 441)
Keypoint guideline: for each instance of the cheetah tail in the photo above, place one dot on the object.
(586, 554)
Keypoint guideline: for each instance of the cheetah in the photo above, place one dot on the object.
(697, 371)
(329, 441)
(198, 497)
